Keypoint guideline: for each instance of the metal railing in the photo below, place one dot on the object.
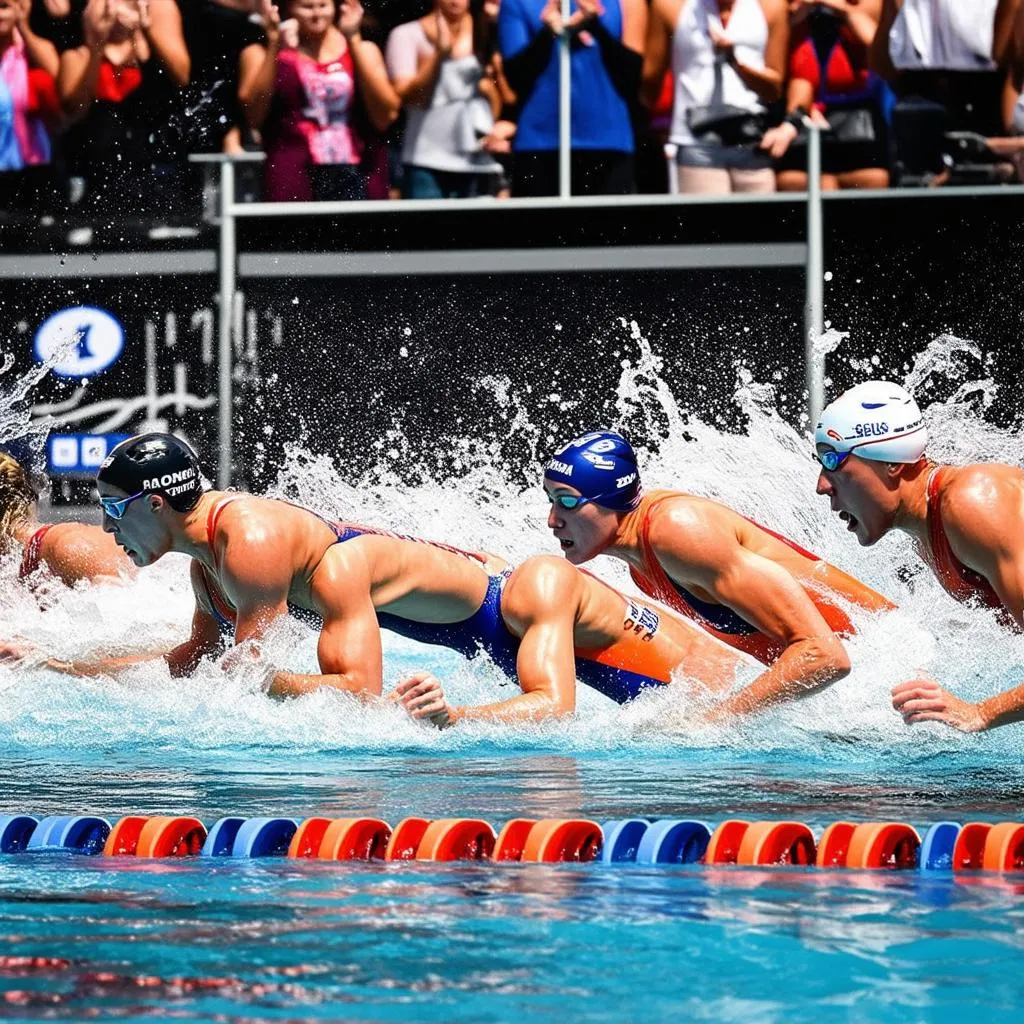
(813, 199)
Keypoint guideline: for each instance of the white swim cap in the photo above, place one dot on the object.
(875, 420)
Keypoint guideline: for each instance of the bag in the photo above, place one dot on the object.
(725, 125)
(852, 125)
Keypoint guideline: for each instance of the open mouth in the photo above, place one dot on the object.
(850, 520)
(565, 543)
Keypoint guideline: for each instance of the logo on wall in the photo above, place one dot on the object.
(82, 341)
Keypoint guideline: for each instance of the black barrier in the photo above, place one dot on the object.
(394, 333)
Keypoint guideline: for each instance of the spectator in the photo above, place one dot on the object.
(438, 65)
(217, 33)
(1013, 83)
(28, 102)
(728, 58)
(122, 84)
(829, 80)
(605, 60)
(302, 93)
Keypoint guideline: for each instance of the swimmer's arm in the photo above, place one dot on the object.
(350, 656)
(182, 660)
(709, 555)
(543, 613)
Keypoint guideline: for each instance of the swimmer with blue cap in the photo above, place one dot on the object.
(255, 559)
(967, 521)
(744, 584)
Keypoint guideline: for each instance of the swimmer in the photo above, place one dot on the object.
(69, 551)
(966, 521)
(254, 559)
(749, 587)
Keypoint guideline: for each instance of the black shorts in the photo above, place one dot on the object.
(857, 139)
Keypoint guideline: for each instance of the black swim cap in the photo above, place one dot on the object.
(155, 464)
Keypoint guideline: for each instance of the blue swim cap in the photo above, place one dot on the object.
(601, 465)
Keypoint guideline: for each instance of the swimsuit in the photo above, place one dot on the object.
(725, 624)
(619, 671)
(961, 582)
(32, 558)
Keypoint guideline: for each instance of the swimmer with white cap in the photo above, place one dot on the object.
(739, 581)
(967, 522)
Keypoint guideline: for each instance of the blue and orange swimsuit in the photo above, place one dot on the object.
(619, 671)
(722, 622)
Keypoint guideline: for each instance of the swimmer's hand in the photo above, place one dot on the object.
(923, 700)
(423, 698)
(17, 652)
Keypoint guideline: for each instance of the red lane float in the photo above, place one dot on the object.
(166, 836)
(877, 844)
(512, 839)
(563, 839)
(724, 845)
(457, 839)
(305, 844)
(356, 839)
(123, 840)
(834, 844)
(405, 839)
(776, 842)
(1004, 847)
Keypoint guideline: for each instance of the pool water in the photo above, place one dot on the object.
(241, 941)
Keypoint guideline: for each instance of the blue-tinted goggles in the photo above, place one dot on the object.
(574, 501)
(829, 457)
(115, 508)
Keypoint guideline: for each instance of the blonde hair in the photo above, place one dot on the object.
(17, 496)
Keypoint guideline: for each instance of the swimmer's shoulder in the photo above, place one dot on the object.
(981, 504)
(81, 551)
(542, 584)
(682, 524)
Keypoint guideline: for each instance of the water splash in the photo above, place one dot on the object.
(763, 470)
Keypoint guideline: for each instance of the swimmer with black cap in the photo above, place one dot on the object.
(967, 521)
(744, 584)
(70, 551)
(255, 559)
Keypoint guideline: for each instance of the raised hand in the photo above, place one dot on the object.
(350, 18)
(97, 22)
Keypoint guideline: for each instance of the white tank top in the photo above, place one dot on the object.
(947, 35)
(702, 80)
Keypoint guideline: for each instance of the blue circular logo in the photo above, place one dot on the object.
(81, 341)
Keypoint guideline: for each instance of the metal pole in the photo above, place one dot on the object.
(226, 320)
(565, 107)
(814, 303)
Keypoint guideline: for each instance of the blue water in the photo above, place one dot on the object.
(277, 940)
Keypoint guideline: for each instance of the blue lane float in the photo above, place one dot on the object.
(221, 837)
(936, 853)
(264, 837)
(80, 833)
(15, 832)
(673, 842)
(621, 839)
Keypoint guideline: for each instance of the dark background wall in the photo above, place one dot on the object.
(320, 358)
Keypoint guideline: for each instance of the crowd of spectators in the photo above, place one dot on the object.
(101, 101)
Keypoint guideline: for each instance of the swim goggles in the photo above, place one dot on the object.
(115, 508)
(829, 458)
(575, 501)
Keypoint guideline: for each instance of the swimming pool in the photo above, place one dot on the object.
(285, 940)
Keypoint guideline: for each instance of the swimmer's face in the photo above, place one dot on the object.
(581, 532)
(314, 17)
(865, 494)
(143, 531)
